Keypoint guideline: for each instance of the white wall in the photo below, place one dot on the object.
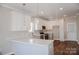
(77, 27)
(5, 21)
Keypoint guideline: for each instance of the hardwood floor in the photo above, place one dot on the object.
(66, 48)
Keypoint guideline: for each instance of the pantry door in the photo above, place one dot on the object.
(71, 31)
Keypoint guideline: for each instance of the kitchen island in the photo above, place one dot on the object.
(31, 46)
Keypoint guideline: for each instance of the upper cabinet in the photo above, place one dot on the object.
(20, 21)
(27, 22)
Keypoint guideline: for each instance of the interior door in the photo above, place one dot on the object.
(56, 32)
(71, 31)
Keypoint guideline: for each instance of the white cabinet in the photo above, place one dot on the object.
(27, 22)
(30, 49)
(36, 47)
(20, 21)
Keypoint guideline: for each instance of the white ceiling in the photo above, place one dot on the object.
(47, 10)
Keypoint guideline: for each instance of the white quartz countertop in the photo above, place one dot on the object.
(33, 41)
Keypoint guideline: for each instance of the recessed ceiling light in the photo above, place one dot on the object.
(65, 15)
(42, 12)
(61, 8)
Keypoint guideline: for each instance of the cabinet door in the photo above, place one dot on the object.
(17, 21)
(30, 49)
(27, 23)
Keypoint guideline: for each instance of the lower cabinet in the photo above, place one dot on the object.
(31, 49)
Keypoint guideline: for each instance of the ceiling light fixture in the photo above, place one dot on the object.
(65, 15)
(60, 8)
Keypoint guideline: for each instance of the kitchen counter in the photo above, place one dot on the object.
(33, 41)
(32, 46)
